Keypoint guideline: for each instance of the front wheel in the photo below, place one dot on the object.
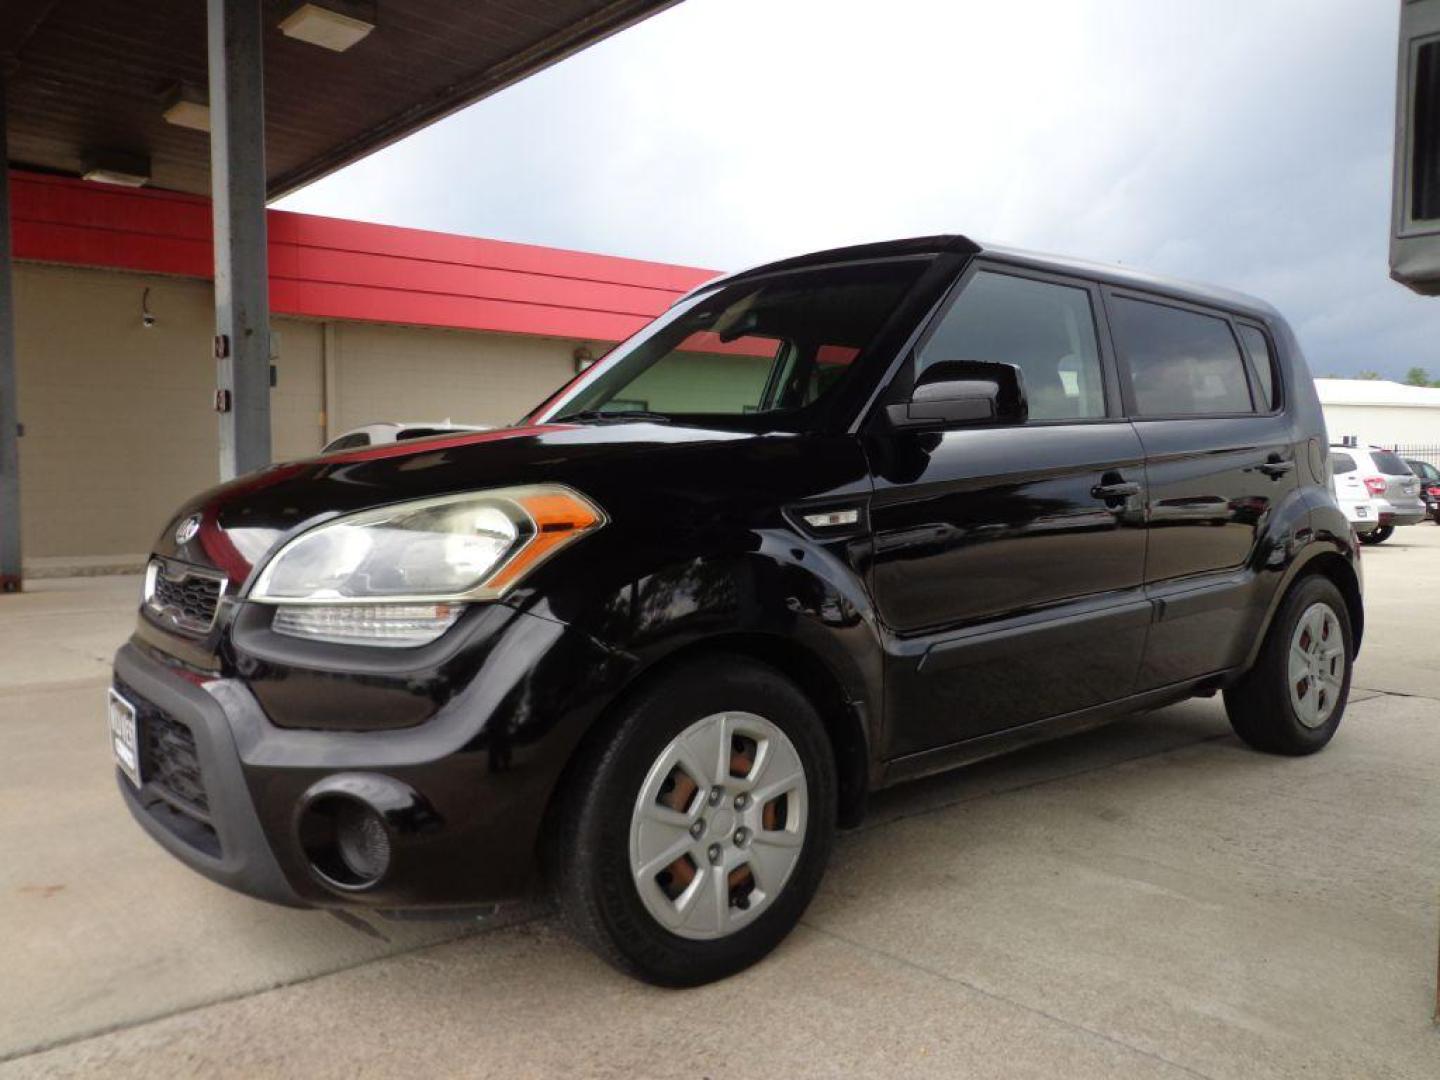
(694, 840)
(1378, 536)
(1292, 700)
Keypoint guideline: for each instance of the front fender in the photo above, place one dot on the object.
(787, 588)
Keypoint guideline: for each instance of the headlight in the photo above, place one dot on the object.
(400, 575)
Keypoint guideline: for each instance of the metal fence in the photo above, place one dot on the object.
(1419, 451)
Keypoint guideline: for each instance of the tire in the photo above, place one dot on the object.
(625, 809)
(1285, 710)
(1378, 536)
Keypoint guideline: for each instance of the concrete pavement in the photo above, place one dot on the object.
(1151, 899)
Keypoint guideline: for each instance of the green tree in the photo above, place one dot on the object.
(1370, 376)
(1418, 376)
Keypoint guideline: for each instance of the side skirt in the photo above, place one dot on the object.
(944, 758)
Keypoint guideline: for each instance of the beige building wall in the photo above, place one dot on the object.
(1383, 425)
(417, 373)
(119, 427)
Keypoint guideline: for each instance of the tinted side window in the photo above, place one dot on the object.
(1181, 362)
(1044, 329)
(1263, 364)
(1340, 464)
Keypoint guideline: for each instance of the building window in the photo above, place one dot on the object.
(1425, 129)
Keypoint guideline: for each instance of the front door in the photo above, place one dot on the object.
(1007, 563)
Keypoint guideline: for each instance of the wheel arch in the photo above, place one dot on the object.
(1337, 568)
(844, 719)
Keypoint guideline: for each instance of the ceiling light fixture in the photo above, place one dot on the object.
(187, 106)
(117, 167)
(334, 25)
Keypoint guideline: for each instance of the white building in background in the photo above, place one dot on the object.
(1380, 413)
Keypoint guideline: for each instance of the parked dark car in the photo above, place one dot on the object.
(941, 502)
(1429, 486)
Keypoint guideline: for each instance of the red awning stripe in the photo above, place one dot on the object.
(328, 268)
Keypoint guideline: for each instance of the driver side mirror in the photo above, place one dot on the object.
(961, 393)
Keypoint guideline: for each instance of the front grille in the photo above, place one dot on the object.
(181, 596)
(173, 788)
(169, 760)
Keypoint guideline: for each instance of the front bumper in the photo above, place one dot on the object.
(480, 771)
(231, 847)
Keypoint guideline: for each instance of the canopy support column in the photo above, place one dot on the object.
(10, 573)
(242, 279)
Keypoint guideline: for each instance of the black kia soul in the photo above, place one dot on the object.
(823, 526)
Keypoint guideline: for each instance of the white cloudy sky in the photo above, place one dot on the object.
(1245, 142)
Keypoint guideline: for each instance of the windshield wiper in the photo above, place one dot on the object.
(601, 415)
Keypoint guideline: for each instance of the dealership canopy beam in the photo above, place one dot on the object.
(91, 78)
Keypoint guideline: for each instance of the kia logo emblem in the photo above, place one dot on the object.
(186, 530)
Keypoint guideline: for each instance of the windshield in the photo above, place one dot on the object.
(773, 345)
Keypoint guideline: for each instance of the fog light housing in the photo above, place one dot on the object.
(346, 841)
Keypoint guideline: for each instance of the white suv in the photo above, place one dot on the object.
(1393, 490)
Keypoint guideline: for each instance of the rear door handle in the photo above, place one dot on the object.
(1276, 469)
(1121, 489)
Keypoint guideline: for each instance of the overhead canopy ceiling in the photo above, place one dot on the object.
(84, 76)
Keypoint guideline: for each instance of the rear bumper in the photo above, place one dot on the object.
(1401, 517)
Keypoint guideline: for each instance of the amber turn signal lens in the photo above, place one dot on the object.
(560, 516)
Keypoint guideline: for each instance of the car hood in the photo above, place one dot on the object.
(240, 522)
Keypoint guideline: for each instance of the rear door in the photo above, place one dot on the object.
(1007, 561)
(1208, 406)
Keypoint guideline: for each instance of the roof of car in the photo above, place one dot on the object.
(1110, 273)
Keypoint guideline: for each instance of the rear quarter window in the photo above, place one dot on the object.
(1262, 363)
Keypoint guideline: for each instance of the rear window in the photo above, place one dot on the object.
(1389, 464)
(1182, 363)
(1340, 464)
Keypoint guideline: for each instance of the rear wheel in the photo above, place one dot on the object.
(1292, 700)
(1378, 536)
(696, 838)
